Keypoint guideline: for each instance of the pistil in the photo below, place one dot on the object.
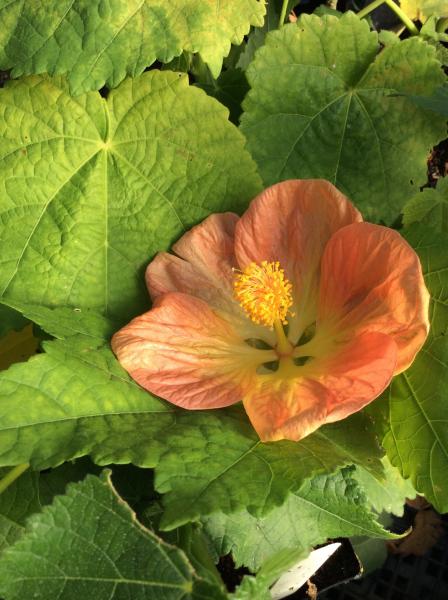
(284, 347)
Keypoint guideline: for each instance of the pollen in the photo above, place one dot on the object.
(264, 292)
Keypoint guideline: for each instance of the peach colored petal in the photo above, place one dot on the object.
(185, 353)
(323, 390)
(291, 222)
(371, 280)
(202, 267)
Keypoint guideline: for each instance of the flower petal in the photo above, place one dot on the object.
(203, 265)
(203, 268)
(185, 353)
(371, 280)
(322, 391)
(291, 222)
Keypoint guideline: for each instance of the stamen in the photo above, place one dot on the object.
(264, 293)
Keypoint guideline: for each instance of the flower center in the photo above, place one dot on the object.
(264, 293)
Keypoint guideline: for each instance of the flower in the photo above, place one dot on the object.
(298, 308)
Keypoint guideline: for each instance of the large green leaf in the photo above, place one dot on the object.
(64, 322)
(413, 415)
(99, 42)
(92, 188)
(258, 587)
(387, 494)
(215, 462)
(325, 104)
(31, 491)
(437, 102)
(17, 502)
(429, 207)
(431, 247)
(88, 544)
(324, 507)
(76, 400)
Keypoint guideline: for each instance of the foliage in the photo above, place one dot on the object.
(90, 538)
(344, 103)
(94, 181)
(154, 149)
(325, 506)
(98, 42)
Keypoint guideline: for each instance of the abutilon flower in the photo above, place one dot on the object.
(298, 309)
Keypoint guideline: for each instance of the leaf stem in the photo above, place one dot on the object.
(281, 20)
(12, 475)
(369, 8)
(395, 8)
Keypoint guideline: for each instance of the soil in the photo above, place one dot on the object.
(438, 163)
(231, 575)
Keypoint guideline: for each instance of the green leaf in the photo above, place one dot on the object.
(89, 544)
(207, 457)
(431, 247)
(30, 492)
(74, 400)
(429, 208)
(324, 507)
(191, 539)
(17, 502)
(257, 36)
(99, 42)
(93, 188)
(413, 416)
(258, 587)
(325, 104)
(430, 30)
(371, 553)
(10, 320)
(63, 322)
(388, 494)
(53, 482)
(421, 9)
(437, 101)
(229, 89)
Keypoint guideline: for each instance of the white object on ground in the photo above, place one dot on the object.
(296, 576)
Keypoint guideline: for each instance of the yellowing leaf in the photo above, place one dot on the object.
(99, 42)
(422, 9)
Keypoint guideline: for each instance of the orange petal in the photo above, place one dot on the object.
(183, 352)
(291, 222)
(323, 390)
(204, 261)
(371, 280)
(202, 268)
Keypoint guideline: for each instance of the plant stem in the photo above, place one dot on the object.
(397, 10)
(369, 8)
(12, 475)
(402, 16)
(281, 20)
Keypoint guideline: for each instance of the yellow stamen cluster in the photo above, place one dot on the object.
(264, 292)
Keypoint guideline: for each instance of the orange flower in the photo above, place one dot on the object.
(298, 308)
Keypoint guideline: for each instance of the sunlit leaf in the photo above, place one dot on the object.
(93, 188)
(99, 42)
(88, 544)
(326, 103)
